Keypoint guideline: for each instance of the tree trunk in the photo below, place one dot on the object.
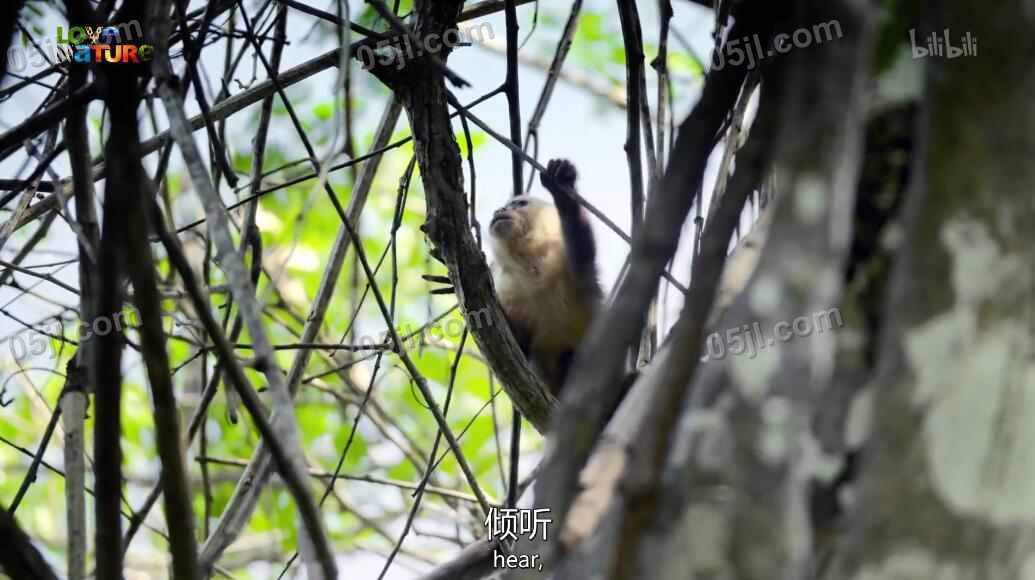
(946, 490)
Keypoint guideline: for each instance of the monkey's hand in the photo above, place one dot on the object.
(559, 179)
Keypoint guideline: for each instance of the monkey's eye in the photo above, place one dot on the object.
(521, 203)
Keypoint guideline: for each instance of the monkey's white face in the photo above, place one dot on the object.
(522, 230)
(517, 218)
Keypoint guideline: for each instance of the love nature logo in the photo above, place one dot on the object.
(97, 44)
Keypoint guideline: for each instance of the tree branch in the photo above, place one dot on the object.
(179, 510)
(19, 558)
(634, 81)
(511, 89)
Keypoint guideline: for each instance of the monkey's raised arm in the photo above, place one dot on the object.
(559, 180)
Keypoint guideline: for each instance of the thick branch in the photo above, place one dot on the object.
(179, 511)
(424, 95)
(19, 558)
(123, 99)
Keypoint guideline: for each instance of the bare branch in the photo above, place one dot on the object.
(554, 71)
(632, 37)
(73, 408)
(124, 178)
(472, 563)
(511, 89)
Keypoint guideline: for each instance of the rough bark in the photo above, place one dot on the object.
(736, 488)
(946, 487)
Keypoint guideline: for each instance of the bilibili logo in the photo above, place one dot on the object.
(941, 45)
(97, 44)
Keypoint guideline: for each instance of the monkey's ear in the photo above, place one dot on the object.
(447, 289)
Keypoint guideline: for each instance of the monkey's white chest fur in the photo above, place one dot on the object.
(539, 293)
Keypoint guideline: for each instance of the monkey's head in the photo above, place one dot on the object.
(521, 220)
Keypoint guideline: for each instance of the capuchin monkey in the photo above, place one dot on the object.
(545, 273)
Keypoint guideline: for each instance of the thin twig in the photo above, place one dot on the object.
(30, 475)
(418, 494)
(633, 75)
(511, 89)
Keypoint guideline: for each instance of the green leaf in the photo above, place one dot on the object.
(324, 111)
